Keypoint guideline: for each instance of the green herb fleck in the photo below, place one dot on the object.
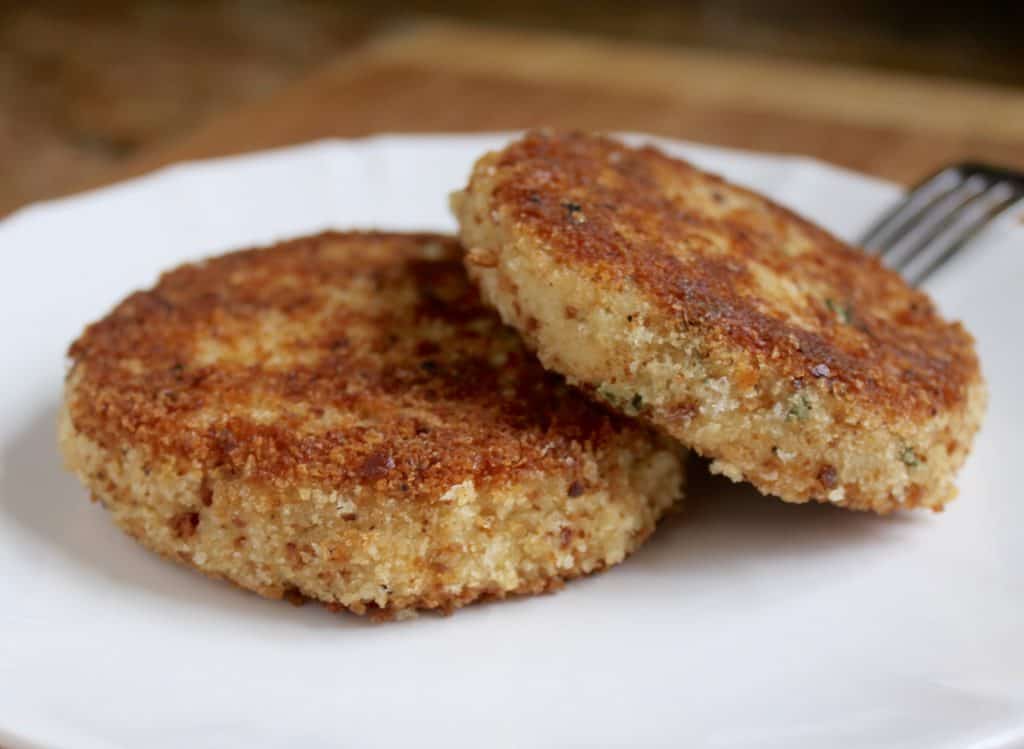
(842, 311)
(609, 396)
(909, 457)
(799, 408)
(630, 407)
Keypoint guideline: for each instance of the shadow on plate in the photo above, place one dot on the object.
(727, 529)
(731, 529)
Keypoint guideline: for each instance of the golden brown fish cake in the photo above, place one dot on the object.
(340, 417)
(789, 358)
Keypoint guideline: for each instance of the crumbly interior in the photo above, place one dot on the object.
(800, 444)
(372, 552)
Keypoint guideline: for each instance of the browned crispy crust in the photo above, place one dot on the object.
(793, 360)
(340, 417)
(436, 406)
(687, 239)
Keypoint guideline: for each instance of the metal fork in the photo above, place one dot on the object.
(940, 216)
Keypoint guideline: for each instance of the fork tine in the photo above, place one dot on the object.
(900, 219)
(990, 204)
(941, 215)
(933, 222)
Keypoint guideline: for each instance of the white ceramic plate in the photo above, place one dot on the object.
(752, 623)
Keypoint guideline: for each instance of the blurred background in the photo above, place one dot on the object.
(88, 87)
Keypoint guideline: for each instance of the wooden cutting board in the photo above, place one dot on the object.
(443, 77)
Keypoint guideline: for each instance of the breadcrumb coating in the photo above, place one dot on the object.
(339, 417)
(792, 360)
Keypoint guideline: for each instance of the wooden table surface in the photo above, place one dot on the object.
(433, 77)
(455, 78)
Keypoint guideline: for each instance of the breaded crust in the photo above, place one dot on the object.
(340, 417)
(793, 360)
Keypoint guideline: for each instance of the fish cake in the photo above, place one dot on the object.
(789, 359)
(340, 418)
